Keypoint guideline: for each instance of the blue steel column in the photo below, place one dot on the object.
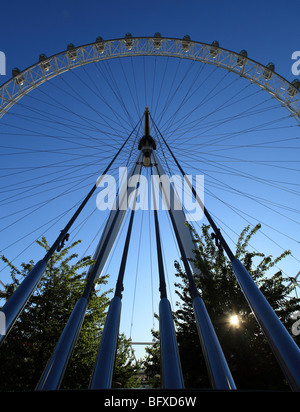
(54, 371)
(170, 362)
(18, 300)
(104, 366)
(283, 346)
(216, 363)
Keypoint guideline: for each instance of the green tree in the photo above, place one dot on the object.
(248, 354)
(126, 372)
(151, 362)
(30, 344)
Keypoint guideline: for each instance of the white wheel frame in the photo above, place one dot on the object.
(22, 83)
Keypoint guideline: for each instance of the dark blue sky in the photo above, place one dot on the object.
(268, 30)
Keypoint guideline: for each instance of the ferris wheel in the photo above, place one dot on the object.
(155, 106)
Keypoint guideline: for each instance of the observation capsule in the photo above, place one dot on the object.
(45, 64)
(242, 58)
(268, 71)
(157, 41)
(186, 42)
(213, 51)
(72, 53)
(295, 86)
(100, 46)
(128, 41)
(16, 74)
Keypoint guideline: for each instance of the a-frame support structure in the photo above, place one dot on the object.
(283, 346)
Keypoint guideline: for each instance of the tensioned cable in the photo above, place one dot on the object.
(61, 106)
(145, 82)
(99, 93)
(236, 209)
(92, 122)
(185, 76)
(176, 123)
(116, 91)
(87, 104)
(235, 190)
(150, 253)
(158, 99)
(172, 121)
(37, 206)
(229, 102)
(134, 82)
(167, 99)
(217, 232)
(56, 106)
(240, 213)
(73, 138)
(56, 219)
(120, 119)
(175, 93)
(60, 216)
(225, 169)
(75, 179)
(136, 274)
(65, 166)
(220, 106)
(235, 172)
(84, 101)
(135, 102)
(42, 203)
(225, 147)
(205, 66)
(264, 223)
(69, 180)
(221, 122)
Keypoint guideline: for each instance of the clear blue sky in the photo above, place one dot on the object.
(268, 30)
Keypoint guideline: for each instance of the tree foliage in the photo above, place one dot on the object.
(151, 363)
(126, 372)
(248, 354)
(28, 347)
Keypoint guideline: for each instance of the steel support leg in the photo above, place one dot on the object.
(169, 356)
(218, 369)
(53, 373)
(284, 347)
(219, 372)
(104, 366)
(15, 305)
(170, 362)
(55, 369)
